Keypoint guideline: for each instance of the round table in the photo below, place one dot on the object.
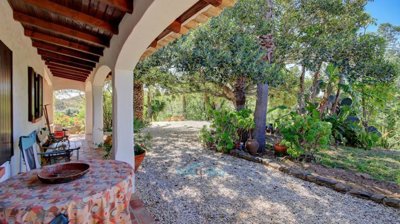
(101, 196)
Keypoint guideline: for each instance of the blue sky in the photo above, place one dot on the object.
(385, 11)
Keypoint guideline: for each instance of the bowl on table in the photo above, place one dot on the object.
(62, 173)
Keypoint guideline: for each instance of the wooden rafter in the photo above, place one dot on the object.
(67, 74)
(70, 77)
(66, 63)
(74, 14)
(198, 14)
(62, 42)
(122, 5)
(175, 27)
(69, 70)
(62, 30)
(66, 66)
(65, 58)
(65, 51)
(214, 3)
(154, 44)
(55, 72)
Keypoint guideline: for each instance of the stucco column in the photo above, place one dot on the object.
(97, 115)
(89, 112)
(123, 116)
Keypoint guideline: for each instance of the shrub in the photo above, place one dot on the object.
(206, 137)
(305, 134)
(348, 130)
(226, 128)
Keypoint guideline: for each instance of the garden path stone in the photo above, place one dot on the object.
(180, 182)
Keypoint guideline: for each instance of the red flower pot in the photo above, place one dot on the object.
(138, 160)
(281, 149)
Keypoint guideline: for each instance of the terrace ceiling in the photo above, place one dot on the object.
(71, 35)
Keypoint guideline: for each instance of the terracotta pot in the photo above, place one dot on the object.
(237, 145)
(2, 171)
(138, 160)
(280, 148)
(252, 146)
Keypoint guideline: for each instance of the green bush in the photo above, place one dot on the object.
(305, 134)
(206, 137)
(227, 127)
(142, 139)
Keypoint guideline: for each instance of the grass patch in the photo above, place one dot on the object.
(380, 164)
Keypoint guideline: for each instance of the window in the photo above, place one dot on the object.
(35, 94)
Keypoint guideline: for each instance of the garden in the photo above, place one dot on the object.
(299, 82)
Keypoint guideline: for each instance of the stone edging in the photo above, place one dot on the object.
(323, 181)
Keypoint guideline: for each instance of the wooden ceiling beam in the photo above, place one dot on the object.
(68, 74)
(62, 42)
(74, 14)
(175, 27)
(65, 58)
(67, 63)
(65, 51)
(214, 3)
(153, 44)
(70, 77)
(70, 70)
(122, 5)
(67, 66)
(62, 30)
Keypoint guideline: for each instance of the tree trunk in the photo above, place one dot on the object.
(364, 110)
(336, 102)
(260, 112)
(206, 105)
(325, 100)
(301, 98)
(184, 106)
(240, 93)
(149, 110)
(138, 99)
(260, 115)
(314, 87)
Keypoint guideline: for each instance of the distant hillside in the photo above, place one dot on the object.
(72, 103)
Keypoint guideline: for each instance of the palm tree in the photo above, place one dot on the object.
(138, 94)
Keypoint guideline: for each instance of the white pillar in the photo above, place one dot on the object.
(123, 116)
(89, 112)
(97, 115)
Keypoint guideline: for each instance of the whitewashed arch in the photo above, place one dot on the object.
(101, 75)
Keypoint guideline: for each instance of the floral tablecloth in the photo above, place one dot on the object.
(100, 196)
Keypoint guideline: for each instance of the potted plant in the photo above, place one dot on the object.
(140, 153)
(279, 148)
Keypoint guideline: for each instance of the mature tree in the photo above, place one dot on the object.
(225, 52)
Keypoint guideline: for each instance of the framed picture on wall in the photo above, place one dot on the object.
(35, 96)
(6, 104)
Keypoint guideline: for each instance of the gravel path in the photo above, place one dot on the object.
(182, 183)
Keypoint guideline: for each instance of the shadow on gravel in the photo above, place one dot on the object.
(183, 183)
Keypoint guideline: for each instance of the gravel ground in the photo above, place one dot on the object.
(180, 182)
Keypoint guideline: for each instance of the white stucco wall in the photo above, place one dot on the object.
(24, 55)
